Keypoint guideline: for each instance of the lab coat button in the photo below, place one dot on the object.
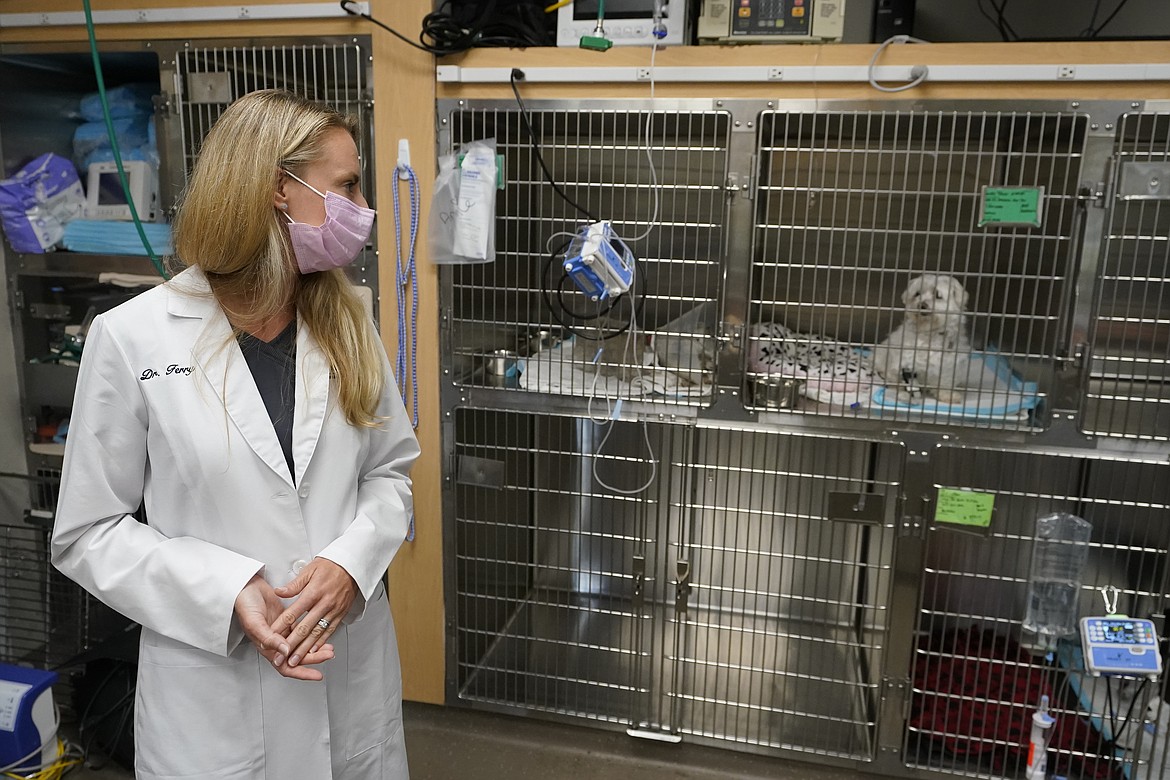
(298, 565)
(304, 491)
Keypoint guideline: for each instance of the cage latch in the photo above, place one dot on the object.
(682, 586)
(730, 334)
(739, 184)
(639, 570)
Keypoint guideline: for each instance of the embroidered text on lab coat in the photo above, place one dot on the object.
(171, 370)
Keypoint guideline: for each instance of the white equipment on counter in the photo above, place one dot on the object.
(105, 198)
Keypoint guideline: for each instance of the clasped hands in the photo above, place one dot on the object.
(296, 638)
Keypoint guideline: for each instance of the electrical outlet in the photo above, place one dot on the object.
(644, 74)
(1066, 72)
(775, 74)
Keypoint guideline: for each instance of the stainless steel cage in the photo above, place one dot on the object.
(658, 176)
(978, 675)
(785, 583)
(1126, 391)
(740, 596)
(853, 207)
(206, 79)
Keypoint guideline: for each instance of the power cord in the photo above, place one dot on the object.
(1006, 31)
(518, 24)
(345, 6)
(1095, 32)
(918, 73)
(518, 75)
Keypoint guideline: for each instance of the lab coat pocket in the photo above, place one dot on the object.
(373, 683)
(189, 699)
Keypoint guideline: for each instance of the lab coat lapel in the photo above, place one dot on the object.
(218, 358)
(312, 398)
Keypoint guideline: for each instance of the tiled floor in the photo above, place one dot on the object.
(453, 744)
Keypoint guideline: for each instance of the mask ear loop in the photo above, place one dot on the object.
(302, 181)
(283, 207)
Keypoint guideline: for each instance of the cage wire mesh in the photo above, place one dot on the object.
(730, 600)
(658, 176)
(333, 74)
(781, 560)
(978, 675)
(45, 619)
(883, 281)
(551, 600)
(1126, 393)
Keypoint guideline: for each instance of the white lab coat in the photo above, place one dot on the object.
(167, 412)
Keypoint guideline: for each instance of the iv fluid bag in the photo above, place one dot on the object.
(1059, 551)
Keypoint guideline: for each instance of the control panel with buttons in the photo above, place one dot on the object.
(770, 21)
(1119, 645)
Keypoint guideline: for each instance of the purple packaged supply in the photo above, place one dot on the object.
(36, 203)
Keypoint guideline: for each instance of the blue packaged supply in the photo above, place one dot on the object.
(126, 100)
(131, 131)
(36, 203)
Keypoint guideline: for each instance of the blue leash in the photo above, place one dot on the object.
(406, 276)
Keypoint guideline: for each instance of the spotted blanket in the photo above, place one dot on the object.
(832, 371)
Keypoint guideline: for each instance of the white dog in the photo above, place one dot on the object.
(929, 354)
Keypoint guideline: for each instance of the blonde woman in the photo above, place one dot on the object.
(248, 406)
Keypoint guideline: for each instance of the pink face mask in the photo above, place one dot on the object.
(337, 241)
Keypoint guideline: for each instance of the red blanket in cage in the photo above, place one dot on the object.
(975, 694)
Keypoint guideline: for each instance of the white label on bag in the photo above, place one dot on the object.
(11, 694)
(477, 188)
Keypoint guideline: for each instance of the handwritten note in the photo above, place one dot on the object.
(1012, 206)
(964, 507)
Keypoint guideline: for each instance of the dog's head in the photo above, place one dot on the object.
(930, 296)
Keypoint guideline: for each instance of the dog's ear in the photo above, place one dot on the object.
(959, 292)
(911, 290)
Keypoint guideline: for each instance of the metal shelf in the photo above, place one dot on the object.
(81, 264)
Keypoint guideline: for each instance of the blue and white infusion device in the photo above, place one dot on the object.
(28, 723)
(1120, 645)
(599, 262)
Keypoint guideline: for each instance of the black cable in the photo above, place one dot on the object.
(638, 302)
(345, 6)
(1128, 713)
(517, 24)
(1109, 18)
(996, 20)
(515, 76)
(1088, 31)
(1006, 31)
(1005, 27)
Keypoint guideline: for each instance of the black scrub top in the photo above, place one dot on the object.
(274, 369)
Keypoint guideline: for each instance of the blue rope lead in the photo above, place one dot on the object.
(405, 276)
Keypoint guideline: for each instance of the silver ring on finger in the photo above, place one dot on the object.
(323, 624)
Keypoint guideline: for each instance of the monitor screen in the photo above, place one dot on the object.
(616, 9)
(110, 191)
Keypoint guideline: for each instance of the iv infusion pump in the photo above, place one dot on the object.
(770, 21)
(625, 22)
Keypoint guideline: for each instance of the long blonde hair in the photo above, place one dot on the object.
(228, 226)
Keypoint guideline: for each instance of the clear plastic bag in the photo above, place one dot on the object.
(462, 226)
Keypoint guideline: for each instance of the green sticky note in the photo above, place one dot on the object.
(964, 507)
(1011, 206)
